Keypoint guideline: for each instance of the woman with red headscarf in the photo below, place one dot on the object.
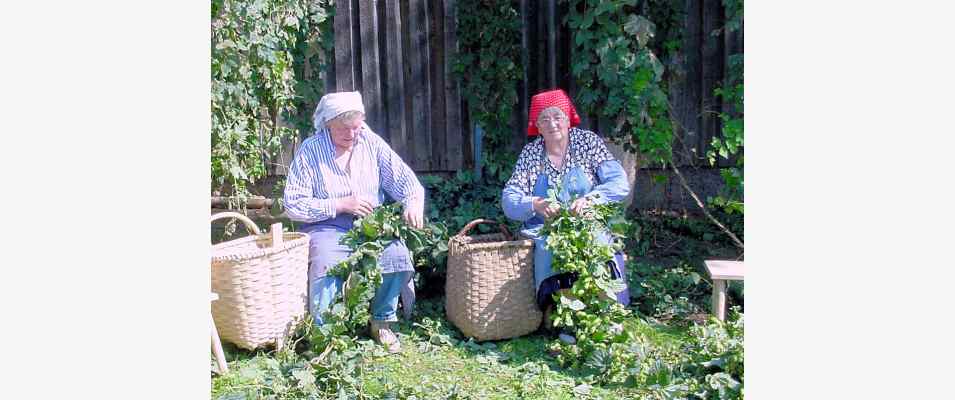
(588, 174)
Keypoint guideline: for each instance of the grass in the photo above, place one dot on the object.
(436, 362)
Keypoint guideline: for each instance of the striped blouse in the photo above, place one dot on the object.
(315, 181)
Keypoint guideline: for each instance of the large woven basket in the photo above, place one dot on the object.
(490, 291)
(262, 283)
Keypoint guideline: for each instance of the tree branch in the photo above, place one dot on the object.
(716, 222)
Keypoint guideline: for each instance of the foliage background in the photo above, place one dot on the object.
(264, 61)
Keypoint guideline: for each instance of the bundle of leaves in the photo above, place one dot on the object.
(361, 276)
(590, 309)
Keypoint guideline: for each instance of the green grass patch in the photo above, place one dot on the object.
(436, 362)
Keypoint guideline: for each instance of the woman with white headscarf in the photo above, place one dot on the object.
(341, 173)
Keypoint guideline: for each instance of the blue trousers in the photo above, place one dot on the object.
(322, 292)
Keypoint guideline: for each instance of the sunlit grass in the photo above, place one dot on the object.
(436, 362)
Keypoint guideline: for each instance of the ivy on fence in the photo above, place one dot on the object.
(254, 83)
(489, 67)
(731, 143)
(619, 76)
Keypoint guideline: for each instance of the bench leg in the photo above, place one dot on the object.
(217, 348)
(719, 299)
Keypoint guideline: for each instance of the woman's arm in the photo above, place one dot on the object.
(517, 205)
(396, 177)
(400, 182)
(613, 186)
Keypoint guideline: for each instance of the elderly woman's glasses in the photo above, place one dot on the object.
(548, 121)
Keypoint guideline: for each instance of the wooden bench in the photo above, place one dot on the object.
(720, 272)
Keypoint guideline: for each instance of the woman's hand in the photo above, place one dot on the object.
(580, 205)
(414, 213)
(353, 205)
(545, 208)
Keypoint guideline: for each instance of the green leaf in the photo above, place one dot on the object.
(641, 27)
(574, 304)
(225, 44)
(582, 389)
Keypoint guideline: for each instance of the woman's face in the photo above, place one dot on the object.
(552, 124)
(345, 132)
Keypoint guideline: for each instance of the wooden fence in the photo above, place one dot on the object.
(399, 55)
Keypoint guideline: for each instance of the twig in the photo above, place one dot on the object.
(328, 349)
(703, 207)
(678, 239)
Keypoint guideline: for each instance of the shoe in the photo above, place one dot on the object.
(567, 338)
(381, 333)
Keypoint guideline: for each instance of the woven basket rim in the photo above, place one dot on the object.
(498, 243)
(219, 250)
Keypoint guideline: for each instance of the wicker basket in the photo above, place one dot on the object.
(490, 291)
(262, 283)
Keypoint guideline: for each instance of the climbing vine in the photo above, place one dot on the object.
(488, 66)
(730, 145)
(254, 83)
(619, 76)
(315, 45)
(622, 82)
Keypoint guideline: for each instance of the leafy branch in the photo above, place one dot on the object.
(590, 308)
(361, 275)
(622, 80)
(254, 53)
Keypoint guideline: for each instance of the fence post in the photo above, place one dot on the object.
(478, 161)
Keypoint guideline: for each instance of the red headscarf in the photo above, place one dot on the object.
(553, 98)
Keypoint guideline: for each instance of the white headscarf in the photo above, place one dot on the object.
(333, 104)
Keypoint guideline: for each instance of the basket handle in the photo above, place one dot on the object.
(467, 228)
(249, 225)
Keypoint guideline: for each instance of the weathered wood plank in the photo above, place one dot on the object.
(728, 270)
(712, 60)
(452, 96)
(523, 91)
(572, 86)
(370, 66)
(540, 48)
(692, 95)
(564, 76)
(344, 48)
(394, 86)
(550, 63)
(439, 151)
(733, 44)
(419, 58)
